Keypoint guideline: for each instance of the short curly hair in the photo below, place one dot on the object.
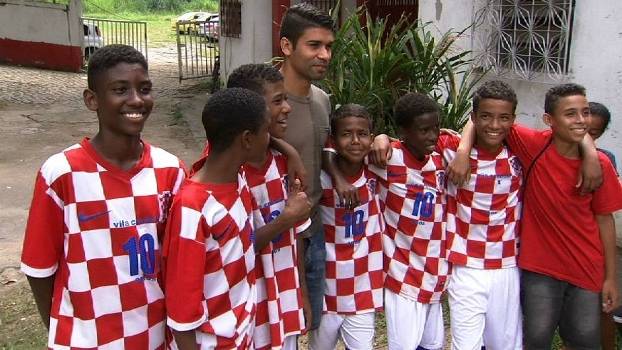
(411, 106)
(108, 57)
(228, 113)
(349, 110)
(302, 16)
(254, 76)
(497, 90)
(558, 92)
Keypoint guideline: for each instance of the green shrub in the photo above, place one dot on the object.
(374, 65)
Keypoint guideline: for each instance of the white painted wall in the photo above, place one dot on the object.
(25, 20)
(255, 42)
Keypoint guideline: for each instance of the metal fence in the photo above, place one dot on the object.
(101, 32)
(197, 49)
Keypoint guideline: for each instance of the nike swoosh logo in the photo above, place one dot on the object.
(83, 218)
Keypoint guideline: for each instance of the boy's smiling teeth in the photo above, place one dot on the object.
(133, 115)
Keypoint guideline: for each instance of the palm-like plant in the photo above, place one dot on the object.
(374, 65)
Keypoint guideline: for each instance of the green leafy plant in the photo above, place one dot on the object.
(373, 65)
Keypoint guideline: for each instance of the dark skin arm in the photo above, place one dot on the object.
(186, 340)
(348, 194)
(302, 273)
(295, 166)
(590, 176)
(297, 208)
(42, 289)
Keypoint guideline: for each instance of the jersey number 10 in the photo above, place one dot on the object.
(145, 248)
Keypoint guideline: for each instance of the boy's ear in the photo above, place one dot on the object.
(547, 119)
(286, 46)
(90, 100)
(473, 115)
(245, 140)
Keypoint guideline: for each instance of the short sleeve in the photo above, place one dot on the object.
(43, 240)
(184, 257)
(608, 198)
(526, 143)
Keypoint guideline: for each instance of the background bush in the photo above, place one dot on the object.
(168, 6)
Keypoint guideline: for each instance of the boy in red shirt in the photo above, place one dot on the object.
(280, 317)
(568, 247)
(92, 244)
(353, 239)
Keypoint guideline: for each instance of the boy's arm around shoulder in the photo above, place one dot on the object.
(459, 169)
(591, 173)
(348, 194)
(295, 166)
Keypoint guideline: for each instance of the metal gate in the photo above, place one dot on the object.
(197, 49)
(101, 32)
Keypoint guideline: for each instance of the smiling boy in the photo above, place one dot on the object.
(92, 244)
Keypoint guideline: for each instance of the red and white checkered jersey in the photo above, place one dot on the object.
(209, 262)
(414, 243)
(279, 297)
(354, 270)
(98, 229)
(483, 214)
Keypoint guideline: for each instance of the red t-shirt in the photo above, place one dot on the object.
(560, 235)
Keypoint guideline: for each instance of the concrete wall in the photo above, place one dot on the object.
(41, 34)
(255, 42)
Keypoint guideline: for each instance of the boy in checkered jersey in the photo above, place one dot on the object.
(482, 230)
(280, 316)
(353, 239)
(412, 190)
(209, 251)
(92, 244)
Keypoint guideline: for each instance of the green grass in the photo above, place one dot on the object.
(159, 14)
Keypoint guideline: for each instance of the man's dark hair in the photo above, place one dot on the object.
(411, 106)
(349, 110)
(558, 92)
(254, 76)
(108, 57)
(600, 110)
(302, 16)
(228, 113)
(495, 89)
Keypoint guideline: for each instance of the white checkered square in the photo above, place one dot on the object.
(87, 187)
(148, 178)
(111, 296)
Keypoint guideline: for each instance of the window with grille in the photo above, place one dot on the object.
(230, 18)
(524, 37)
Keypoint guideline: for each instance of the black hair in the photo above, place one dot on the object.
(228, 113)
(411, 106)
(600, 110)
(495, 89)
(558, 92)
(302, 16)
(349, 110)
(109, 56)
(254, 76)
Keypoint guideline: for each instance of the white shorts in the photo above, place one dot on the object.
(485, 307)
(411, 324)
(356, 332)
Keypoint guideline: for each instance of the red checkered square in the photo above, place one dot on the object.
(414, 211)
(86, 226)
(278, 287)
(483, 214)
(353, 239)
(209, 261)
